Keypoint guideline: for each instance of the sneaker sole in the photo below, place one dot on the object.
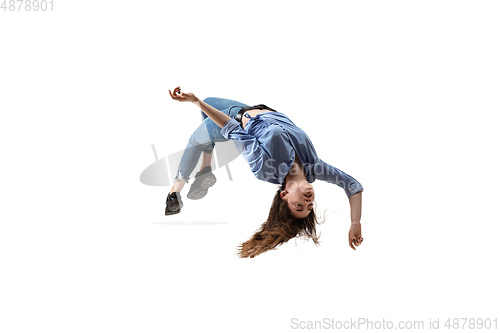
(172, 212)
(202, 190)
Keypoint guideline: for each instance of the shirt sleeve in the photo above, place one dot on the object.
(330, 174)
(247, 144)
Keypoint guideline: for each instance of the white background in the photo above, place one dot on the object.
(401, 95)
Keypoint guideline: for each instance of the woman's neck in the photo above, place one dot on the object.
(296, 172)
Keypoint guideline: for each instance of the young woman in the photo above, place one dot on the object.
(278, 152)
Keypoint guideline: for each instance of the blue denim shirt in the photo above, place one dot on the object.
(269, 143)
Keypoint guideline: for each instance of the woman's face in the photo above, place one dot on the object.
(300, 197)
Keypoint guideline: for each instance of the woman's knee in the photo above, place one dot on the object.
(210, 100)
(221, 103)
(200, 143)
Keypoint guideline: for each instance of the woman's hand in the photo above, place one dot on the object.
(355, 235)
(182, 97)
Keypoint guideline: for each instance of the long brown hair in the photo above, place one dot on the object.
(280, 227)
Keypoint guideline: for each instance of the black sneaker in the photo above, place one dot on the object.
(203, 180)
(174, 203)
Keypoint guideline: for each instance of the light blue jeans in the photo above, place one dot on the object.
(205, 136)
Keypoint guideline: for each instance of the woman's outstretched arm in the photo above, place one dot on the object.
(220, 118)
(353, 189)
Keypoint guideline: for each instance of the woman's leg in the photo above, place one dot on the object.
(198, 142)
(179, 184)
(203, 140)
(206, 160)
(229, 107)
(220, 104)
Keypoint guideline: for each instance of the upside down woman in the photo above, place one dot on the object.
(278, 152)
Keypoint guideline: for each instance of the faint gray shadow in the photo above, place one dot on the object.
(156, 174)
